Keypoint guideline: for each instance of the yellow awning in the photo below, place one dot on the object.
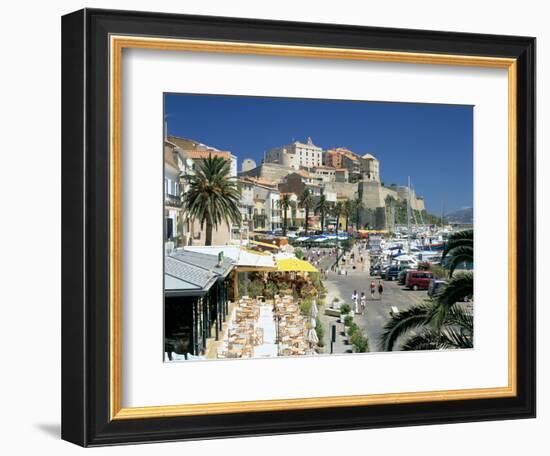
(265, 244)
(294, 265)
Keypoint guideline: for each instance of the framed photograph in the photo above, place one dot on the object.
(268, 227)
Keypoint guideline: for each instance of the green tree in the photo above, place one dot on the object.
(306, 202)
(322, 208)
(357, 206)
(349, 208)
(419, 331)
(285, 203)
(320, 330)
(337, 210)
(213, 196)
(360, 343)
(459, 248)
(345, 309)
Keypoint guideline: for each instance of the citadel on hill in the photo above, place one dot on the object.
(339, 174)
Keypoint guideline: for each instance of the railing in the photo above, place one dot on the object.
(172, 200)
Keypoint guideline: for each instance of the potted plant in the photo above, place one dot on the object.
(359, 342)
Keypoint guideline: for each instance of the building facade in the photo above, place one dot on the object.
(296, 155)
(259, 204)
(370, 168)
(247, 165)
(299, 181)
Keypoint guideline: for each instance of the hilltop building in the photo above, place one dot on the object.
(338, 173)
(296, 154)
(298, 181)
(247, 165)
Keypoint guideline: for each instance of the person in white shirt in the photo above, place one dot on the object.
(355, 301)
(363, 301)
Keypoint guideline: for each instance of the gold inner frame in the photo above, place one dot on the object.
(117, 44)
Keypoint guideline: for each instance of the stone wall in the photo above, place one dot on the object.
(400, 193)
(269, 171)
(345, 189)
(371, 194)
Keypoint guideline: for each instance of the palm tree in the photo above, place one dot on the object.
(337, 211)
(416, 325)
(306, 202)
(459, 248)
(322, 208)
(357, 205)
(213, 196)
(349, 207)
(285, 203)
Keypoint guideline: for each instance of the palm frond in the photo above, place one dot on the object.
(454, 338)
(460, 238)
(457, 256)
(458, 288)
(426, 340)
(405, 321)
(458, 316)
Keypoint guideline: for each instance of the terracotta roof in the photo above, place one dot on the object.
(343, 151)
(324, 167)
(201, 154)
(350, 155)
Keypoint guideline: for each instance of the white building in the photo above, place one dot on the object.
(247, 165)
(296, 154)
(370, 168)
(176, 227)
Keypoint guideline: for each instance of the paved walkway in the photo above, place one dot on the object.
(267, 323)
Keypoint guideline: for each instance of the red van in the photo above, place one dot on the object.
(419, 280)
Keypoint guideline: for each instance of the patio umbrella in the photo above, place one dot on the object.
(312, 336)
(294, 265)
(314, 310)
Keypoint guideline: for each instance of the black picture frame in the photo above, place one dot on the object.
(85, 228)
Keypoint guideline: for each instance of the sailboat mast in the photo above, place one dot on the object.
(409, 215)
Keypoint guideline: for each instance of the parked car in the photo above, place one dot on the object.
(419, 280)
(434, 286)
(375, 271)
(393, 272)
(402, 277)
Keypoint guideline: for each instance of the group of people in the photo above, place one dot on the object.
(360, 302)
(315, 255)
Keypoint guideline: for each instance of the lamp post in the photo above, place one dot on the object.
(337, 247)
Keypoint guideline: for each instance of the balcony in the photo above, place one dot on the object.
(172, 200)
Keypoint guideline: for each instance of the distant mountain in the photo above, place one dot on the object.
(464, 215)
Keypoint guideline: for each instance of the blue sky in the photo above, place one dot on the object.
(431, 143)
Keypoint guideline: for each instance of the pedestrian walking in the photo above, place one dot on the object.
(380, 290)
(354, 300)
(372, 289)
(363, 301)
